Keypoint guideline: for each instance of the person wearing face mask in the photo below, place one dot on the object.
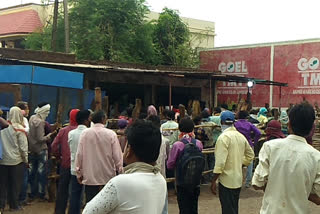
(14, 160)
(38, 150)
(232, 151)
(99, 156)
(23, 193)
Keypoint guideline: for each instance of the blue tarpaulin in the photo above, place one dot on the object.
(29, 74)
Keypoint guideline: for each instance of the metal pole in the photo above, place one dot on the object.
(170, 94)
(280, 100)
(66, 26)
(210, 94)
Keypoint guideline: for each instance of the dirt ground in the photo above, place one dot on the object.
(250, 203)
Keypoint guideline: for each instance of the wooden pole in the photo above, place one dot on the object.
(105, 105)
(54, 26)
(182, 110)
(59, 116)
(136, 109)
(66, 26)
(97, 98)
(17, 93)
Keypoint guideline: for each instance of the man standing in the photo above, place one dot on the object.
(23, 193)
(60, 148)
(170, 135)
(246, 128)
(38, 150)
(289, 168)
(83, 120)
(232, 151)
(99, 156)
(187, 160)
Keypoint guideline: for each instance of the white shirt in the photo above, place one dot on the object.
(73, 140)
(171, 135)
(161, 161)
(26, 125)
(291, 169)
(136, 193)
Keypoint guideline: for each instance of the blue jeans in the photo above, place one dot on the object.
(24, 187)
(38, 173)
(249, 173)
(76, 193)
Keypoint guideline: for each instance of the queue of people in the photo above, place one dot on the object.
(126, 173)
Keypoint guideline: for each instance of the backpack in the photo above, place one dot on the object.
(190, 165)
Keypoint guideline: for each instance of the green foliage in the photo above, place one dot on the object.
(41, 40)
(171, 38)
(112, 30)
(117, 31)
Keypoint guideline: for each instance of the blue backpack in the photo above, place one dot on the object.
(190, 165)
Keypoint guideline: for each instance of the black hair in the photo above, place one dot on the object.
(155, 120)
(217, 110)
(40, 105)
(205, 114)
(145, 140)
(197, 120)
(82, 116)
(301, 119)
(22, 105)
(186, 125)
(234, 107)
(243, 114)
(142, 115)
(165, 113)
(171, 115)
(225, 106)
(98, 116)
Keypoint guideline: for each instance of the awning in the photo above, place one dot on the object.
(229, 78)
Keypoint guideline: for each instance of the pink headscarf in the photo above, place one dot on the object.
(152, 110)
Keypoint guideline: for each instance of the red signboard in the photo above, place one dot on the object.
(298, 65)
(248, 62)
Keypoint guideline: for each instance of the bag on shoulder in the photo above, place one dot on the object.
(190, 165)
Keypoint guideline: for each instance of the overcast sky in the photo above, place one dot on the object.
(241, 22)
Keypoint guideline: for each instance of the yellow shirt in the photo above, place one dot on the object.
(231, 152)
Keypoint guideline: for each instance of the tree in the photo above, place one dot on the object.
(41, 39)
(172, 40)
(116, 31)
(111, 30)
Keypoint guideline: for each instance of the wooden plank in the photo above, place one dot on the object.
(97, 99)
(59, 115)
(137, 109)
(105, 105)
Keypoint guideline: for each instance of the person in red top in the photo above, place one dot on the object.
(60, 148)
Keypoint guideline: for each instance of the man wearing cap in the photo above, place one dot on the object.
(232, 151)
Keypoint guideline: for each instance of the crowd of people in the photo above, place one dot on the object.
(123, 170)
